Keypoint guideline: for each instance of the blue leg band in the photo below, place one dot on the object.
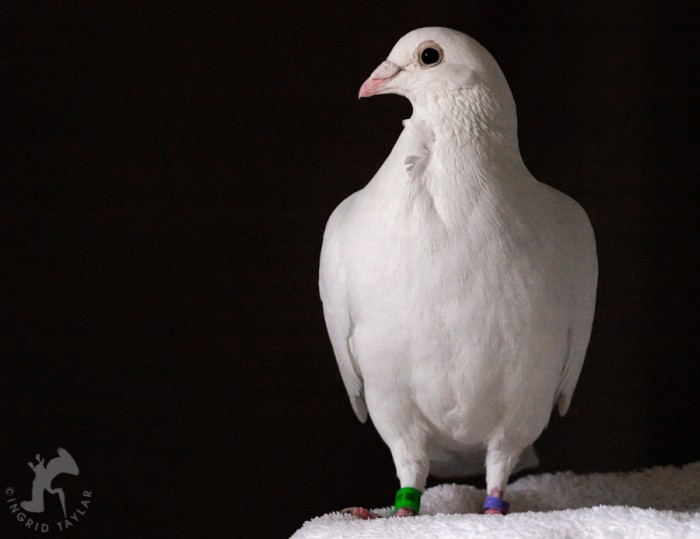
(492, 502)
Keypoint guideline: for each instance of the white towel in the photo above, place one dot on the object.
(655, 502)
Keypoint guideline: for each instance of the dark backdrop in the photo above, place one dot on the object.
(166, 177)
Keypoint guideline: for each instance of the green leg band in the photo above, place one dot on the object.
(408, 497)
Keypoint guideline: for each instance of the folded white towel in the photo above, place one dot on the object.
(655, 502)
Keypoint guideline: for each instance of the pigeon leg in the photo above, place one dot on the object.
(499, 465)
(412, 471)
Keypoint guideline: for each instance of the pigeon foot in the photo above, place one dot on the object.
(366, 514)
(361, 512)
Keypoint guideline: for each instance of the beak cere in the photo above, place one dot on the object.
(377, 83)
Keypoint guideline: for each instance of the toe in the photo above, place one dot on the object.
(361, 512)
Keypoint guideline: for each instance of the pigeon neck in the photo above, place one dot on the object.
(473, 127)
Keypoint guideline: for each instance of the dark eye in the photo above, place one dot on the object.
(429, 53)
(429, 56)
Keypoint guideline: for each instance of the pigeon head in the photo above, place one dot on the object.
(440, 69)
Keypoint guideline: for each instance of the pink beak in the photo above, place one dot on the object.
(377, 83)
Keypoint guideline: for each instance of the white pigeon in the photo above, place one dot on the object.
(458, 291)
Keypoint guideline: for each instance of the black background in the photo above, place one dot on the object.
(166, 177)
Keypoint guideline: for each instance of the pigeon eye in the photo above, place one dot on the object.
(429, 54)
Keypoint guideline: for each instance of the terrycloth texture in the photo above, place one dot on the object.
(656, 502)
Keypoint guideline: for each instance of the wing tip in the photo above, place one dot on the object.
(563, 404)
(360, 409)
